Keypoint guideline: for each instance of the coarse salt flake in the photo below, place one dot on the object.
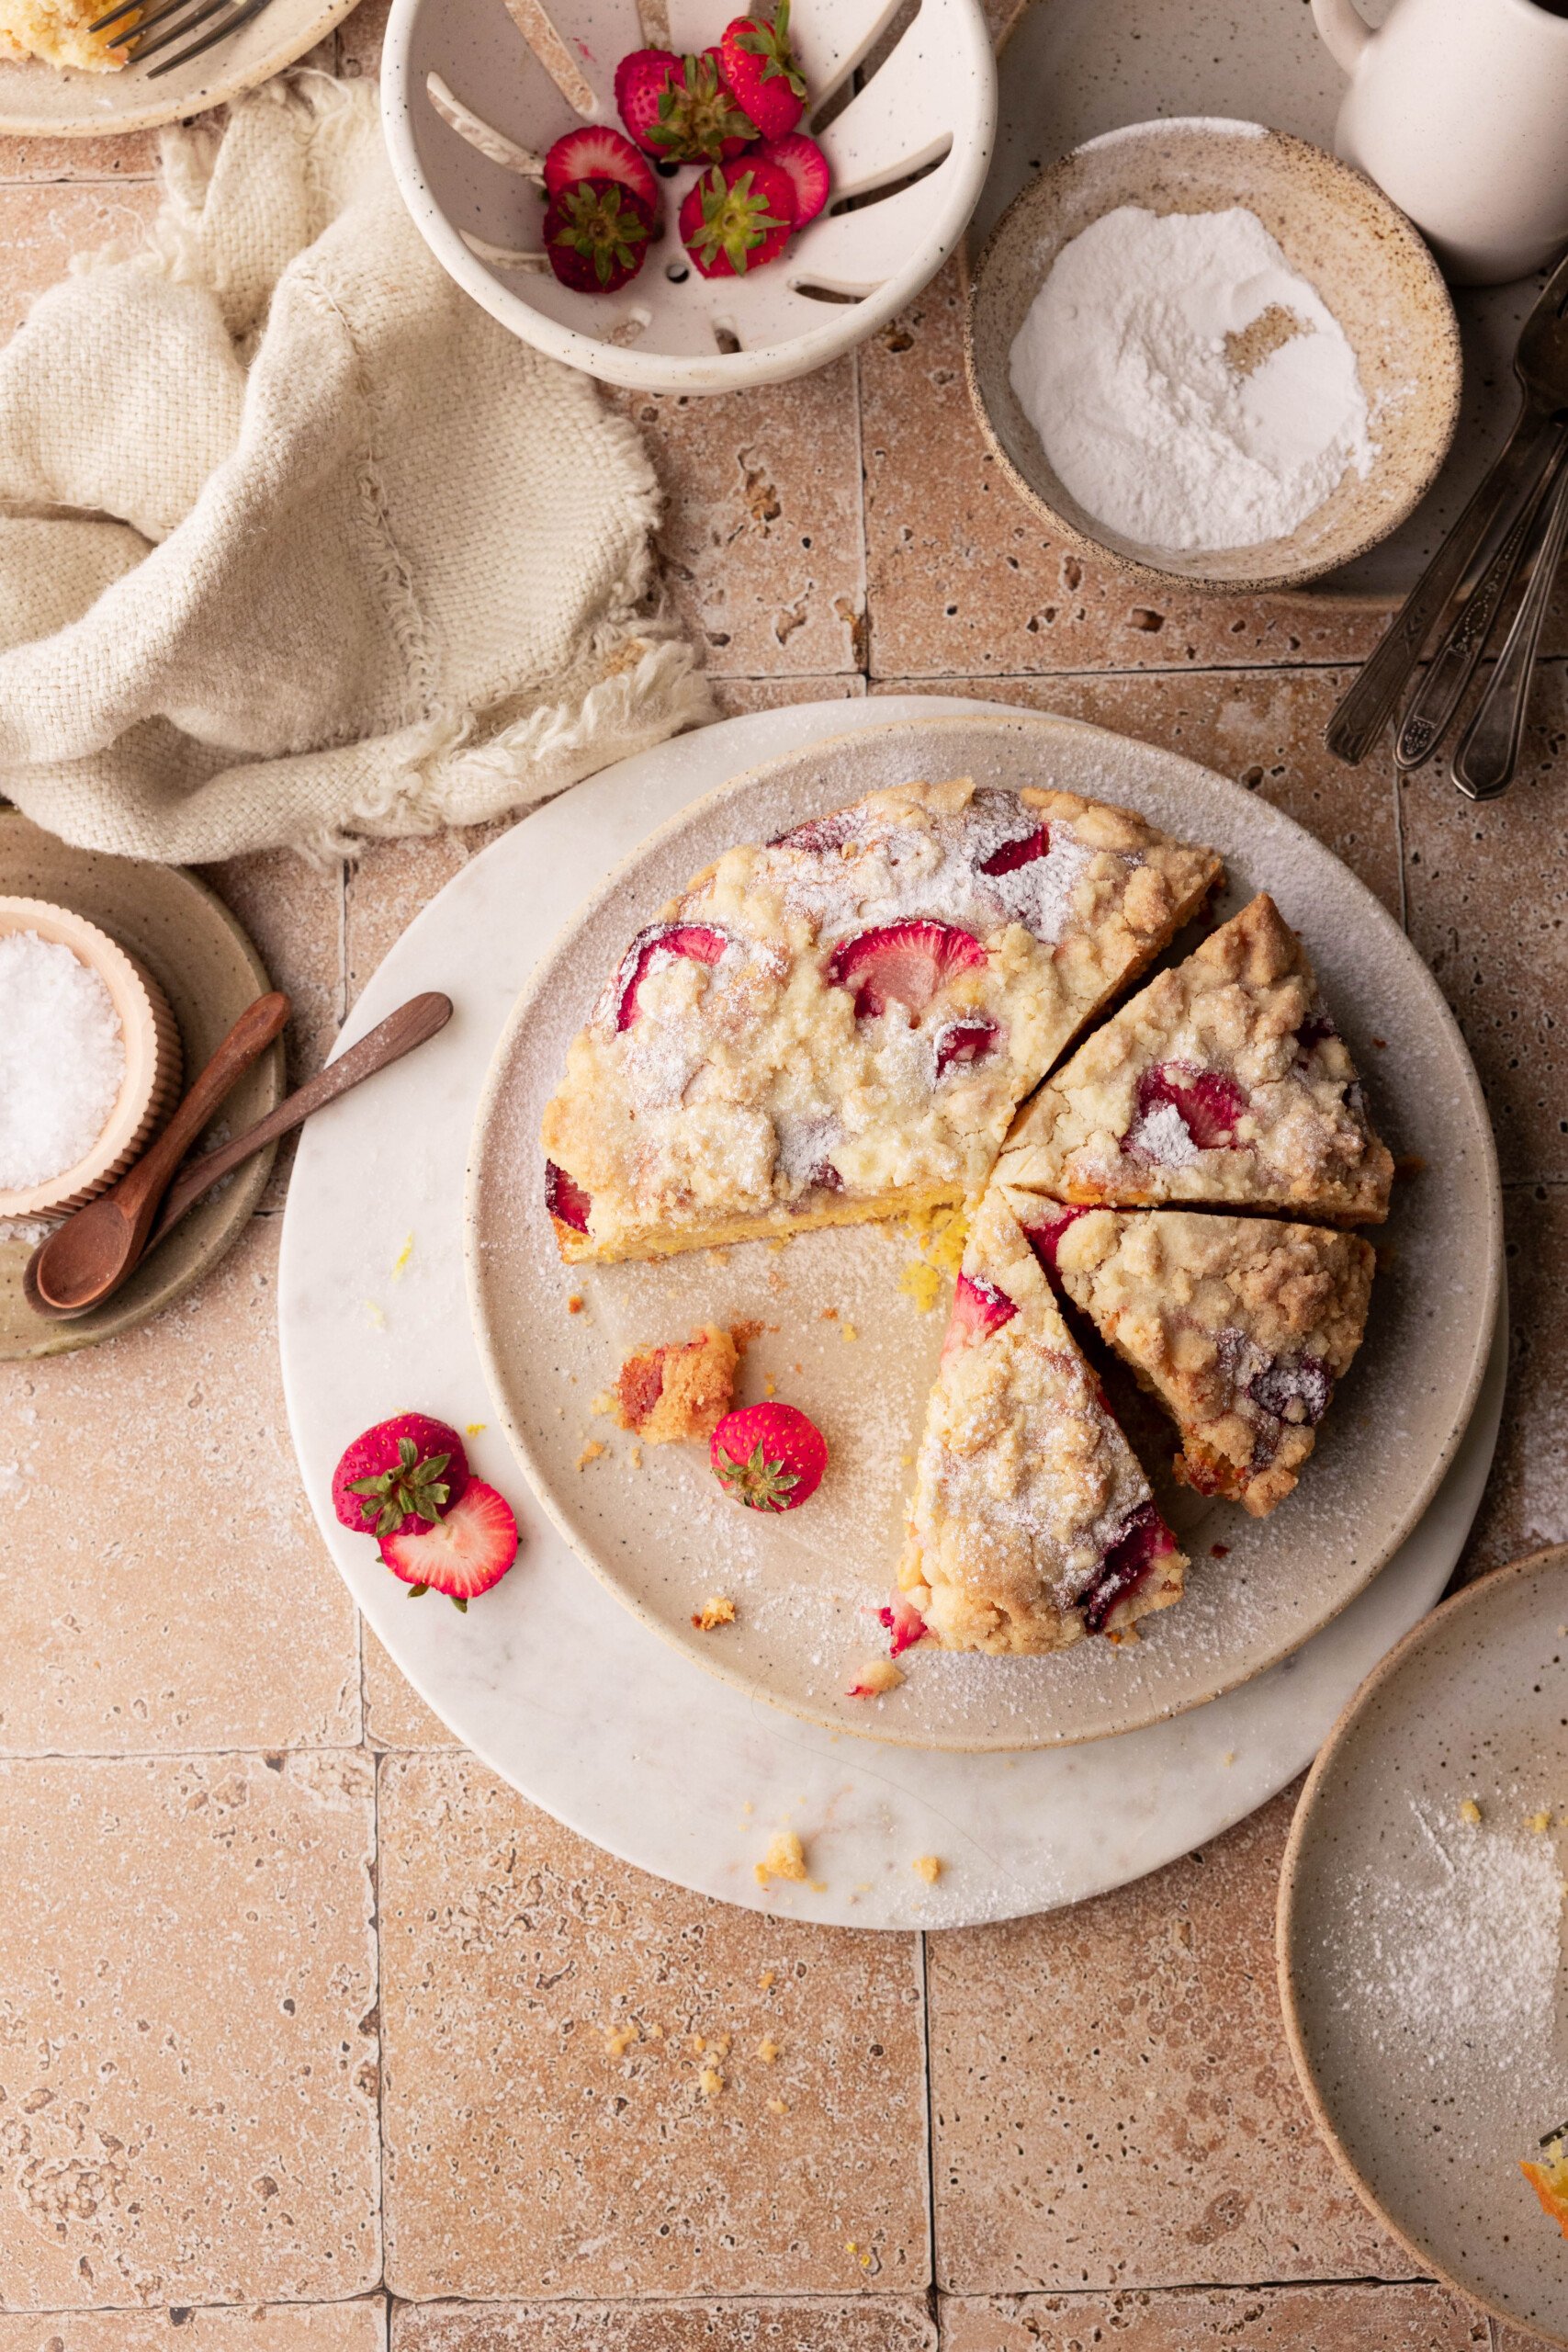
(61, 1059)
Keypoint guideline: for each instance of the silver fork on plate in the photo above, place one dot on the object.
(212, 20)
(1514, 480)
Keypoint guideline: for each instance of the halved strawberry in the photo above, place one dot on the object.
(566, 1199)
(978, 1310)
(902, 962)
(680, 109)
(770, 1457)
(1023, 852)
(808, 168)
(904, 1623)
(694, 940)
(597, 151)
(462, 1555)
(402, 1473)
(761, 69)
(596, 234)
(968, 1039)
(1208, 1103)
(1045, 1237)
(737, 216)
(1144, 1539)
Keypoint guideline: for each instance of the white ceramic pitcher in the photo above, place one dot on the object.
(1458, 110)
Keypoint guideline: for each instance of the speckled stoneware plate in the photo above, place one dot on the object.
(1421, 1953)
(36, 101)
(808, 1586)
(208, 970)
(1335, 229)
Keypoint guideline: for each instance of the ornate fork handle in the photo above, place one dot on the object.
(1484, 763)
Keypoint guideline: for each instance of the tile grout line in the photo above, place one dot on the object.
(862, 667)
(922, 1967)
(380, 2033)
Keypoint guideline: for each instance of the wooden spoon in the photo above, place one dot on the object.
(409, 1025)
(89, 1256)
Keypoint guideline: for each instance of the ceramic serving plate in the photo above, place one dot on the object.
(1421, 1951)
(36, 101)
(846, 1338)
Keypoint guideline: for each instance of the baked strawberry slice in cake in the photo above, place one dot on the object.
(1033, 1523)
(1224, 1081)
(838, 1025)
(1239, 1325)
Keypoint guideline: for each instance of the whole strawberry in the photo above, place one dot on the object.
(596, 234)
(404, 1473)
(768, 1457)
(760, 67)
(737, 216)
(680, 109)
(463, 1555)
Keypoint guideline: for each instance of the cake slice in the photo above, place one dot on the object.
(838, 1025)
(677, 1395)
(1240, 1325)
(1033, 1523)
(1224, 1080)
(57, 32)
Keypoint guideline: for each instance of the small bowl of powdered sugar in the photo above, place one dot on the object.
(90, 1059)
(1212, 353)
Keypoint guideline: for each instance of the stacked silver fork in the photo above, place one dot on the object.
(212, 20)
(1515, 528)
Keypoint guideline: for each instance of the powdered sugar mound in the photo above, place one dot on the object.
(1163, 1136)
(1131, 365)
(61, 1059)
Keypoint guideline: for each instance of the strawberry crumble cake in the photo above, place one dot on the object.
(1033, 1523)
(1223, 1081)
(1240, 1325)
(674, 1396)
(838, 1025)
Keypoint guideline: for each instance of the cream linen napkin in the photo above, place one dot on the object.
(297, 545)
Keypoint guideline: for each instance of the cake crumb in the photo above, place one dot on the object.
(877, 1676)
(678, 1394)
(769, 1385)
(848, 1331)
(1470, 1810)
(777, 2107)
(830, 1314)
(718, 2046)
(1539, 1822)
(635, 1457)
(620, 2040)
(718, 1610)
(710, 2082)
(590, 1452)
(921, 1282)
(475, 1429)
(1229, 1757)
(785, 1858)
(767, 1979)
(767, 2049)
(926, 1866)
(400, 1263)
(1218, 1551)
(574, 1303)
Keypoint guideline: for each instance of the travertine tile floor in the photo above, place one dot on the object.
(303, 2016)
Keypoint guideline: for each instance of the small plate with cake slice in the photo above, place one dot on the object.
(1109, 1043)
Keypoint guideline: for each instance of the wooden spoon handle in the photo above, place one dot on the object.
(401, 1032)
(248, 1039)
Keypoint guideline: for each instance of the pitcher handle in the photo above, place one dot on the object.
(1345, 32)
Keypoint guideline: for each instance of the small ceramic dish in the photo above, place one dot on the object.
(1335, 229)
(910, 145)
(1421, 1924)
(152, 1058)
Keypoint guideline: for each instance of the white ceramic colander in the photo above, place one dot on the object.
(905, 119)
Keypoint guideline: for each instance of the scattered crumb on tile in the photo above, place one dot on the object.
(475, 1429)
(710, 2082)
(785, 1858)
(767, 1980)
(1470, 1810)
(718, 2046)
(620, 2040)
(928, 1867)
(718, 1610)
(767, 2049)
(590, 1452)
(399, 1262)
(574, 1303)
(777, 2107)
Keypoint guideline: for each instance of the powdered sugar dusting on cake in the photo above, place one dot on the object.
(1163, 1136)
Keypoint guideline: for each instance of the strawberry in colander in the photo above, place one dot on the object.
(736, 217)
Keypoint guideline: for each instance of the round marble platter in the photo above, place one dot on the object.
(842, 1340)
(209, 970)
(1422, 1947)
(550, 1680)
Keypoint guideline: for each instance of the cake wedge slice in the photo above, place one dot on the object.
(1241, 1326)
(1033, 1523)
(1224, 1081)
(838, 1025)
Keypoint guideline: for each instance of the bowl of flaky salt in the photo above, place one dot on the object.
(90, 1059)
(1212, 353)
